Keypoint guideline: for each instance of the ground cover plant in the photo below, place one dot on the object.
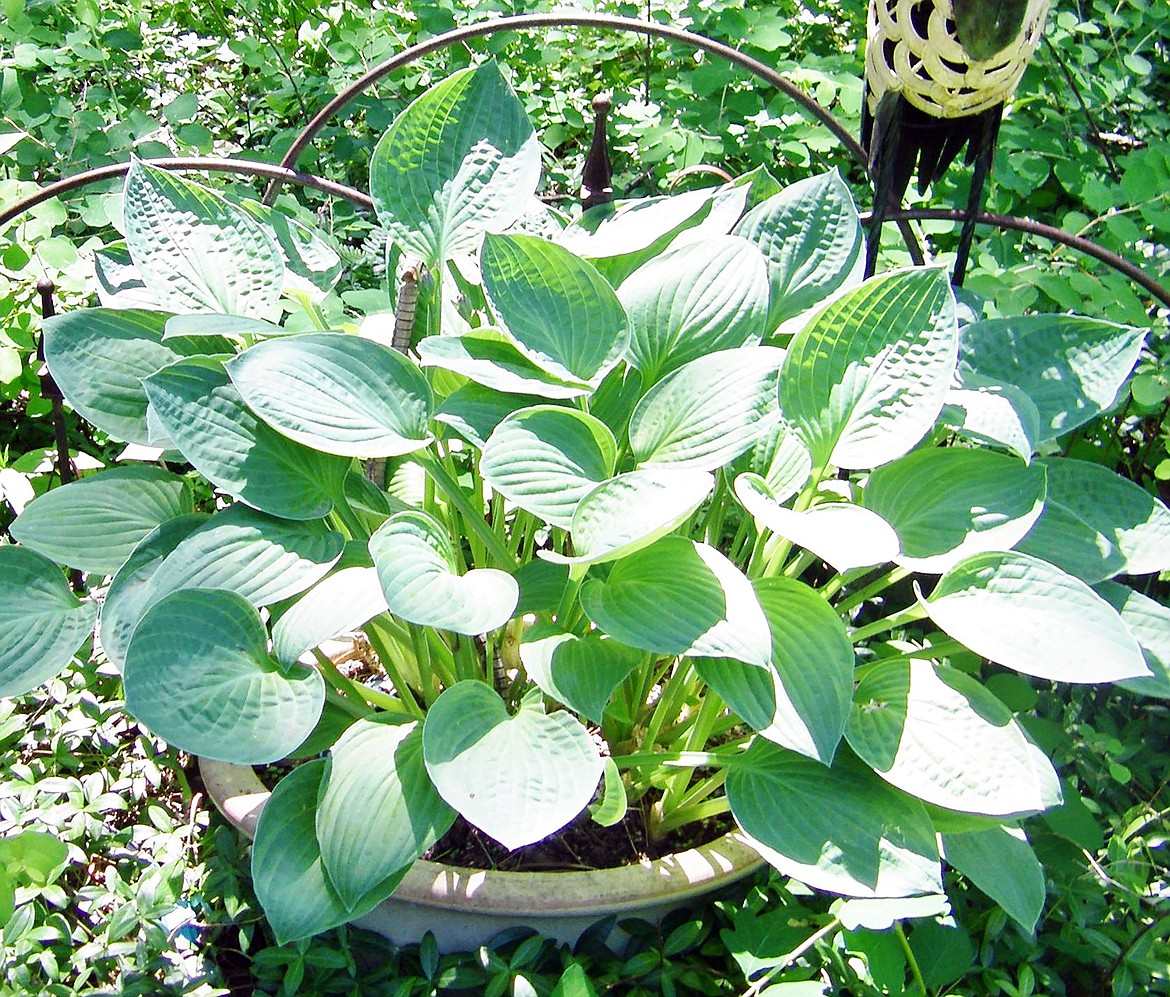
(681, 552)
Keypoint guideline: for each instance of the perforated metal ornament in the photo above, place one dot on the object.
(913, 48)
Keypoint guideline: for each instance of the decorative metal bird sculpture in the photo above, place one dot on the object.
(937, 75)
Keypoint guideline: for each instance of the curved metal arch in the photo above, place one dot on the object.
(1049, 232)
(245, 166)
(610, 22)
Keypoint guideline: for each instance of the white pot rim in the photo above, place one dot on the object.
(239, 795)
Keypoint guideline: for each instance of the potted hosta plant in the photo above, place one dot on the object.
(677, 516)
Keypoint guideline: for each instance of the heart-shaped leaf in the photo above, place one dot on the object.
(208, 648)
(42, 623)
(517, 778)
(99, 356)
(1149, 622)
(1071, 368)
(460, 161)
(311, 263)
(845, 535)
(1001, 863)
(194, 250)
(999, 414)
(1029, 615)
(632, 511)
(709, 411)
(865, 380)
(581, 672)
(619, 238)
(259, 557)
(937, 734)
(474, 411)
(546, 459)
(204, 416)
(1097, 524)
(694, 300)
(781, 459)
(556, 308)
(337, 394)
(94, 524)
(947, 504)
(287, 871)
(417, 569)
(680, 597)
(801, 699)
(339, 603)
(490, 359)
(129, 593)
(811, 234)
(838, 829)
(378, 811)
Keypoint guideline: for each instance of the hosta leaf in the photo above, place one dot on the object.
(581, 672)
(694, 300)
(782, 460)
(339, 603)
(1149, 622)
(1071, 368)
(517, 778)
(632, 511)
(259, 557)
(1001, 863)
(129, 592)
(99, 357)
(94, 523)
(378, 811)
(1028, 615)
(937, 734)
(680, 597)
(194, 250)
(489, 358)
(287, 872)
(1097, 524)
(556, 308)
(474, 411)
(838, 829)
(337, 394)
(460, 161)
(946, 504)
(546, 459)
(801, 699)
(119, 284)
(198, 673)
(709, 411)
(204, 324)
(204, 416)
(845, 535)
(311, 263)
(417, 569)
(865, 380)
(999, 414)
(811, 235)
(620, 238)
(42, 623)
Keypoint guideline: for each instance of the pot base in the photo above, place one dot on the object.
(465, 908)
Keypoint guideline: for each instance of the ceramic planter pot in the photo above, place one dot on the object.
(467, 907)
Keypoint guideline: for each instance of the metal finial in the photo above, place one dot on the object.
(597, 177)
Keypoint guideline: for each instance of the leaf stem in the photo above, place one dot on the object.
(879, 584)
(911, 960)
(910, 614)
(474, 520)
(789, 958)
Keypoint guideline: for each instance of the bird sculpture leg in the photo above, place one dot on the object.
(984, 156)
